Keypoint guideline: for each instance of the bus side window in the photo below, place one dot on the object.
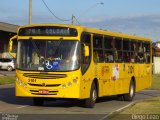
(98, 48)
(108, 56)
(126, 50)
(140, 57)
(98, 56)
(114, 52)
(109, 49)
(133, 50)
(97, 41)
(147, 52)
(118, 50)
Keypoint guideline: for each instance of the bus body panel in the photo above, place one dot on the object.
(56, 88)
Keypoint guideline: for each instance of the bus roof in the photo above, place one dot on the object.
(93, 30)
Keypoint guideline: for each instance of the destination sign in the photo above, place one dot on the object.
(47, 31)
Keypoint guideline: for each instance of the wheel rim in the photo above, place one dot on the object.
(9, 68)
(94, 95)
(131, 91)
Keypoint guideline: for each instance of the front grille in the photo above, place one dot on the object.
(44, 75)
(46, 85)
(51, 92)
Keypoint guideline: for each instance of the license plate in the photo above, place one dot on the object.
(43, 91)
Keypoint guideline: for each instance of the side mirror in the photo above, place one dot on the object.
(10, 47)
(86, 50)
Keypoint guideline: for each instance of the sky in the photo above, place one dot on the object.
(140, 17)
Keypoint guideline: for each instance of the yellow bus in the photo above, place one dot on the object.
(75, 62)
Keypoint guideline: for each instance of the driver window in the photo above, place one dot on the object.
(85, 61)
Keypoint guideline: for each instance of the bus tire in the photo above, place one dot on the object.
(90, 102)
(129, 96)
(38, 101)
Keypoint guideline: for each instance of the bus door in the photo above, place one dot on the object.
(103, 73)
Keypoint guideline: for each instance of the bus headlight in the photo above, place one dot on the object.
(17, 79)
(20, 82)
(64, 86)
(75, 81)
(69, 84)
(24, 85)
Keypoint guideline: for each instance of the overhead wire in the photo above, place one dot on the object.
(60, 19)
(65, 20)
(76, 20)
(89, 9)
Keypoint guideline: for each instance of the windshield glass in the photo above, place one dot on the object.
(48, 55)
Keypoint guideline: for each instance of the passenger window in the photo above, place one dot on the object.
(97, 41)
(110, 53)
(126, 50)
(98, 56)
(126, 56)
(140, 49)
(108, 42)
(126, 45)
(147, 52)
(133, 49)
(98, 48)
(108, 56)
(118, 50)
(133, 46)
(133, 57)
(118, 43)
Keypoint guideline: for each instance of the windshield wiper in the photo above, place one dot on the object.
(36, 48)
(60, 40)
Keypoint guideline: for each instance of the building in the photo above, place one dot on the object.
(6, 32)
(156, 57)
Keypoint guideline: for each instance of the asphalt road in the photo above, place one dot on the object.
(60, 109)
(7, 73)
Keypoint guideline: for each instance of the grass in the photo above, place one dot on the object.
(149, 107)
(7, 80)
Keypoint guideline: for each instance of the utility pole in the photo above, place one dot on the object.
(72, 19)
(30, 11)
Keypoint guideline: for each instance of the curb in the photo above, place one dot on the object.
(112, 114)
(7, 85)
(7, 74)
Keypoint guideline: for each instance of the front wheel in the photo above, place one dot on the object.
(129, 96)
(90, 102)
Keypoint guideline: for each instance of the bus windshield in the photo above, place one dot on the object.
(48, 55)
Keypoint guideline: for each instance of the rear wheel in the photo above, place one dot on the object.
(90, 102)
(38, 101)
(9, 68)
(129, 96)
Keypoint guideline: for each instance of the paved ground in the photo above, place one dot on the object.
(7, 73)
(60, 109)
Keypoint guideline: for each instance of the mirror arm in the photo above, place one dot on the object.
(10, 47)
